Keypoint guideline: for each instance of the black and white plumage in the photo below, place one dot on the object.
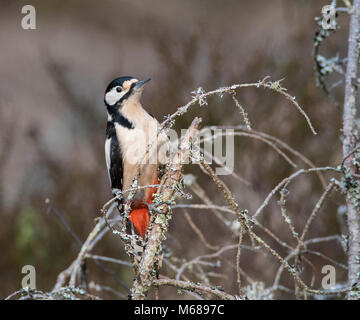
(130, 129)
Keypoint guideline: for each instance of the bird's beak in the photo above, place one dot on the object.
(141, 83)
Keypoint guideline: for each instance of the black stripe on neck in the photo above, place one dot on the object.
(123, 121)
(118, 118)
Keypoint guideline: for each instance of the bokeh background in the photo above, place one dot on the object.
(52, 121)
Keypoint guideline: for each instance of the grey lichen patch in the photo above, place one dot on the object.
(354, 194)
(258, 291)
(324, 66)
(199, 94)
(356, 160)
(276, 85)
(355, 295)
(329, 65)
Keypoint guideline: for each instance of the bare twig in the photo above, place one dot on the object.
(198, 232)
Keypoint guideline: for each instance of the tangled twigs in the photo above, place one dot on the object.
(287, 180)
(84, 250)
(159, 224)
(281, 144)
(201, 96)
(245, 221)
(73, 270)
(312, 216)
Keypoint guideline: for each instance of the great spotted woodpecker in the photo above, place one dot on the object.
(130, 131)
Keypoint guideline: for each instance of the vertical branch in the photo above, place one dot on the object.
(349, 143)
(159, 226)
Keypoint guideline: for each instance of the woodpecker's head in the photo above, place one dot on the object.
(122, 90)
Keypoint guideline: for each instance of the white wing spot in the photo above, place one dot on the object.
(107, 155)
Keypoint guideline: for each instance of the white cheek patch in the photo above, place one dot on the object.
(113, 96)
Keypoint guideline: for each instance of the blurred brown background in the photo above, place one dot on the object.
(53, 121)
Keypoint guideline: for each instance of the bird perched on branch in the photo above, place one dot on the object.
(133, 149)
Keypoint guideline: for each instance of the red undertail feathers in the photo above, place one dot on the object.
(140, 215)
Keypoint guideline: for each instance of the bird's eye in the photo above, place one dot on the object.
(118, 89)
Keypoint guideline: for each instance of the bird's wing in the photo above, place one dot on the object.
(114, 160)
